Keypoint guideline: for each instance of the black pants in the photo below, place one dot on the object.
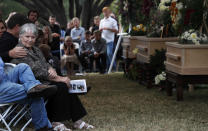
(101, 62)
(87, 61)
(64, 106)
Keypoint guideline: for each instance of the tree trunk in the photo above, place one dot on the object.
(84, 9)
(92, 8)
(86, 14)
(78, 8)
(71, 9)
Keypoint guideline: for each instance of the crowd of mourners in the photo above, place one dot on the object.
(41, 54)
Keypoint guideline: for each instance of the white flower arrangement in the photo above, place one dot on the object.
(163, 6)
(159, 78)
(125, 8)
(165, 1)
(179, 5)
(193, 36)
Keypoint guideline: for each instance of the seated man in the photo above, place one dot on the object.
(99, 45)
(29, 90)
(86, 52)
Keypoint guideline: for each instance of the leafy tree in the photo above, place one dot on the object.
(84, 9)
(8, 6)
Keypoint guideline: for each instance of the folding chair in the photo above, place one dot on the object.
(10, 108)
(30, 120)
(6, 107)
(4, 115)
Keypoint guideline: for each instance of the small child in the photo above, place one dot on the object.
(86, 52)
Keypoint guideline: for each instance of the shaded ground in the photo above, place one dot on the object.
(118, 104)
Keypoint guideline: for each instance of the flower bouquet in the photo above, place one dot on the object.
(193, 37)
(159, 78)
(165, 19)
(138, 30)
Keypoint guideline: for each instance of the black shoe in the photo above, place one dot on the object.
(42, 91)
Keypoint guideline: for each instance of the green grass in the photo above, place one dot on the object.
(118, 104)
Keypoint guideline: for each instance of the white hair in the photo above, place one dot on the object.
(28, 27)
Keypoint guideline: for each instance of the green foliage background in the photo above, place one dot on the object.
(8, 6)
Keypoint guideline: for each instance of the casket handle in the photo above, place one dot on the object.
(173, 56)
(142, 48)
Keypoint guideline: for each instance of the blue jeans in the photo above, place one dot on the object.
(11, 92)
(110, 55)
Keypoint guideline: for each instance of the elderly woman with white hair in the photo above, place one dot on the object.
(61, 106)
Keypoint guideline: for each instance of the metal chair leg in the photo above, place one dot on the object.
(23, 128)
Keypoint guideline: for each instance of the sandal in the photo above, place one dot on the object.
(57, 126)
(83, 125)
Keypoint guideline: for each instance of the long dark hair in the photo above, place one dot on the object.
(1, 21)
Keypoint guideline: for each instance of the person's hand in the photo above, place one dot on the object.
(66, 80)
(72, 51)
(66, 51)
(17, 52)
(105, 28)
(55, 35)
(96, 54)
(92, 37)
(79, 37)
(52, 73)
(62, 39)
(86, 52)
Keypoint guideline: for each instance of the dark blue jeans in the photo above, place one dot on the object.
(110, 55)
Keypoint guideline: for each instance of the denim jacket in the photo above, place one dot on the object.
(2, 74)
